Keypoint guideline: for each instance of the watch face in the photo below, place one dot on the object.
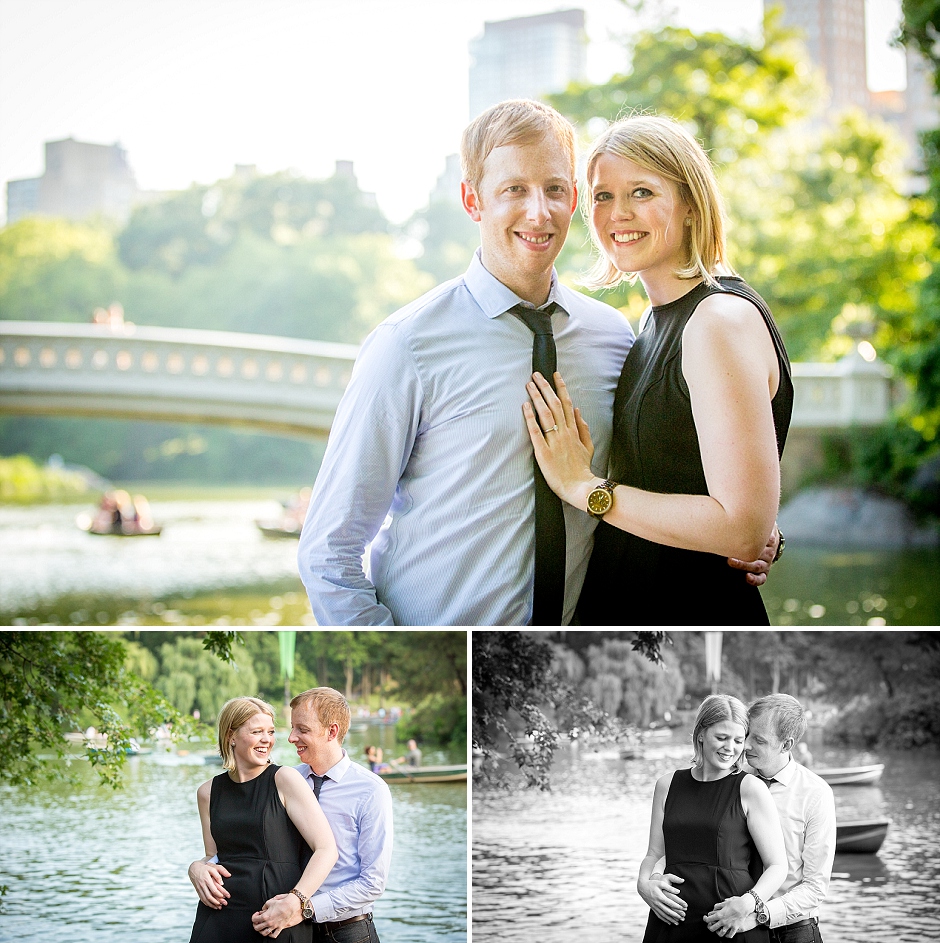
(599, 501)
(763, 917)
(308, 912)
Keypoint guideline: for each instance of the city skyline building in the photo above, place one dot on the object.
(80, 180)
(527, 57)
(834, 33)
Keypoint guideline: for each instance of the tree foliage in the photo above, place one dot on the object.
(728, 93)
(921, 29)
(52, 683)
(523, 693)
(785, 205)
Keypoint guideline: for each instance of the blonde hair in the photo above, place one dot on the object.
(516, 121)
(234, 713)
(714, 709)
(329, 706)
(662, 146)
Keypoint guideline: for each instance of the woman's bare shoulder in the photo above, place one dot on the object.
(287, 776)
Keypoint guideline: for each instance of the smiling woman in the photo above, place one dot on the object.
(259, 822)
(703, 403)
(710, 822)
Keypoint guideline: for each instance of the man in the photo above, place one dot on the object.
(808, 818)
(358, 806)
(413, 756)
(429, 458)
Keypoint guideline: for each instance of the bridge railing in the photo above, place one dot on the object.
(851, 392)
(276, 383)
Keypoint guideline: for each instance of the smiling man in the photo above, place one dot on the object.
(358, 806)
(429, 463)
(807, 812)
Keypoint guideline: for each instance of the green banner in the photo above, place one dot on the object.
(287, 638)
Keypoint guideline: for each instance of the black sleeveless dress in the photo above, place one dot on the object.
(264, 852)
(655, 447)
(707, 844)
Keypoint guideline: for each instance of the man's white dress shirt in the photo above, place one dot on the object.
(430, 460)
(807, 812)
(358, 806)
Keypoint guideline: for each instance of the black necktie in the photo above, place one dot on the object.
(317, 783)
(767, 782)
(549, 599)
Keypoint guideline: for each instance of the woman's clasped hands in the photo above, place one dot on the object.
(564, 449)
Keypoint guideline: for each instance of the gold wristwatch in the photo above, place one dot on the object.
(601, 499)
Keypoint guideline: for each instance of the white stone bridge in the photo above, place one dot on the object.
(281, 384)
(273, 384)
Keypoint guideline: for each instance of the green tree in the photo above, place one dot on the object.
(922, 349)
(193, 679)
(54, 270)
(53, 683)
(728, 93)
(448, 237)
(786, 202)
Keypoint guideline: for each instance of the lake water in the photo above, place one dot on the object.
(89, 865)
(211, 565)
(563, 865)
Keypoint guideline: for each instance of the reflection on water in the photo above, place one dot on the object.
(814, 586)
(57, 573)
(93, 866)
(560, 865)
(212, 565)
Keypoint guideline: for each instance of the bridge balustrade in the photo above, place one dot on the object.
(277, 384)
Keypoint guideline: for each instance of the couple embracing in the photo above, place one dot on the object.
(297, 854)
(747, 855)
(501, 425)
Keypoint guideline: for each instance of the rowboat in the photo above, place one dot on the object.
(129, 531)
(851, 775)
(426, 774)
(861, 837)
(278, 530)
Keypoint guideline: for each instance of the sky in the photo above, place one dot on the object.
(192, 87)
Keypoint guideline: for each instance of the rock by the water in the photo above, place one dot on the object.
(852, 517)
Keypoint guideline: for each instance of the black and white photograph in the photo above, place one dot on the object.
(688, 785)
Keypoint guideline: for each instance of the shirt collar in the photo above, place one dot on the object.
(493, 297)
(336, 772)
(785, 776)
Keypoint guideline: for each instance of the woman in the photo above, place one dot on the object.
(702, 407)
(259, 818)
(374, 759)
(711, 821)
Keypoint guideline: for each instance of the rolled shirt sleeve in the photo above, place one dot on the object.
(817, 855)
(370, 443)
(375, 856)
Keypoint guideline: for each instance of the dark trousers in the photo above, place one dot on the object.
(802, 932)
(362, 931)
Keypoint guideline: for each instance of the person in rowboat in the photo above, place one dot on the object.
(808, 816)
